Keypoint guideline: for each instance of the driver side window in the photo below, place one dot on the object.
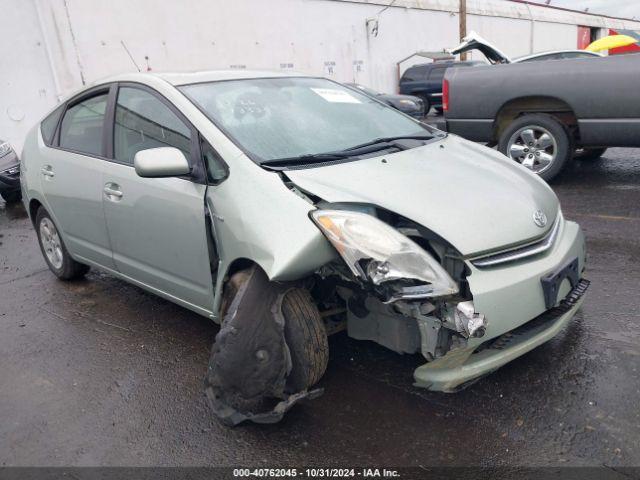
(142, 122)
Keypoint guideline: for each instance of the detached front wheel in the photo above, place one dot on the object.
(539, 142)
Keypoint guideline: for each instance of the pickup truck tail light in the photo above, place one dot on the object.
(445, 95)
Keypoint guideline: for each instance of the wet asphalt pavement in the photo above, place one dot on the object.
(98, 372)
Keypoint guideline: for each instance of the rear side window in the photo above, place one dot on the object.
(543, 58)
(577, 55)
(437, 74)
(412, 74)
(49, 124)
(82, 125)
(143, 121)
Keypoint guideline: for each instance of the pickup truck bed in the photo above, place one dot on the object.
(594, 101)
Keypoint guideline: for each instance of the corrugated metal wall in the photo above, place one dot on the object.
(50, 47)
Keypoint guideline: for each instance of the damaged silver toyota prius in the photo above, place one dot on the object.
(287, 208)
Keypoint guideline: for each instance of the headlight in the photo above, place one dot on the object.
(374, 250)
(4, 148)
(409, 103)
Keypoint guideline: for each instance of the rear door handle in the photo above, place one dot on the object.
(112, 191)
(47, 171)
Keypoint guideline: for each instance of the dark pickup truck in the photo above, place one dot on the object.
(541, 113)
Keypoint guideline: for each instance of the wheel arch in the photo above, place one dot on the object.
(550, 105)
(34, 205)
(225, 272)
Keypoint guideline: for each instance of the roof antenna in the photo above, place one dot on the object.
(130, 56)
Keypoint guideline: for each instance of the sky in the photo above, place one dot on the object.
(616, 8)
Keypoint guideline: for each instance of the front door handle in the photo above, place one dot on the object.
(47, 171)
(112, 191)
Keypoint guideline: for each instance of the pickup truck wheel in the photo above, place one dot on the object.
(306, 338)
(55, 253)
(539, 142)
(588, 154)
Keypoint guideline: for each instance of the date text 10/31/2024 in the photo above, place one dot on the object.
(315, 473)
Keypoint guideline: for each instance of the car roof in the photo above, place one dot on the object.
(447, 63)
(186, 78)
(554, 52)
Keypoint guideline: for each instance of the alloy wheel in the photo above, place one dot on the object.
(51, 243)
(534, 147)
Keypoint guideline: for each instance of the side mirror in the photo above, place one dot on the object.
(161, 162)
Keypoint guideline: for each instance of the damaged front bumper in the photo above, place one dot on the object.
(459, 367)
(515, 301)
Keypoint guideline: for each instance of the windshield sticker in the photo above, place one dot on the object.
(335, 96)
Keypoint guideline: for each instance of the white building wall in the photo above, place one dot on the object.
(56, 45)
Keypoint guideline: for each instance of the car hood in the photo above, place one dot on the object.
(468, 194)
(473, 41)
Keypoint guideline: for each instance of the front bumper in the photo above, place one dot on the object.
(460, 367)
(512, 298)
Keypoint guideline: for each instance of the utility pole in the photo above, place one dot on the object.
(463, 25)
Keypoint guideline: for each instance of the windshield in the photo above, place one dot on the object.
(274, 118)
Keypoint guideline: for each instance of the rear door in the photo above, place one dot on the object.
(71, 177)
(157, 225)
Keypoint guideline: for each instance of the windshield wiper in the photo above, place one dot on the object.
(376, 145)
(378, 141)
(305, 159)
(328, 156)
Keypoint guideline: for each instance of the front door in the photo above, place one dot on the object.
(71, 176)
(157, 226)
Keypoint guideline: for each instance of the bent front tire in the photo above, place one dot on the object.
(54, 251)
(539, 142)
(306, 338)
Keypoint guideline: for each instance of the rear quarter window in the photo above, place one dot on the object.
(49, 124)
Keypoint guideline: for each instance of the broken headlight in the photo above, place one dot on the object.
(374, 250)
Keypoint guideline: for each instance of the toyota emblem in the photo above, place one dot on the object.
(539, 218)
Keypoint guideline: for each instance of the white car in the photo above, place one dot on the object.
(473, 41)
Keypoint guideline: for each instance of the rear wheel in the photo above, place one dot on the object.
(55, 253)
(589, 154)
(539, 142)
(12, 197)
(426, 103)
(306, 337)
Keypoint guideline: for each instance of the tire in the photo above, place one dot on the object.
(12, 197)
(306, 338)
(426, 103)
(558, 153)
(60, 263)
(589, 154)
